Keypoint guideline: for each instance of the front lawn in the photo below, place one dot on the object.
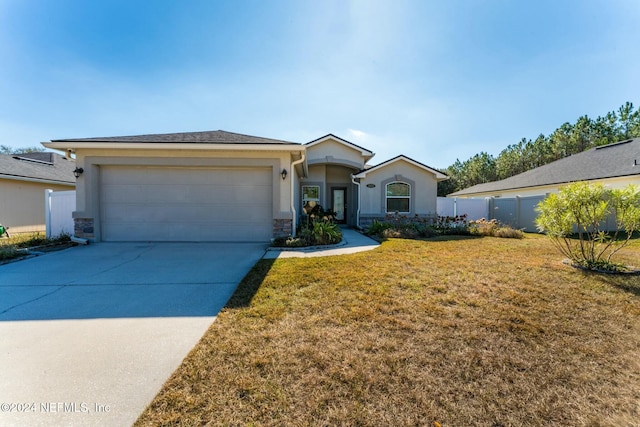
(462, 331)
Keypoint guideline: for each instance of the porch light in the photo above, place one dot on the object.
(77, 172)
(283, 174)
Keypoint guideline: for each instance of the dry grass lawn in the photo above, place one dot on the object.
(460, 331)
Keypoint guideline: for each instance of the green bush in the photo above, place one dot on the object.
(573, 220)
(325, 233)
(377, 228)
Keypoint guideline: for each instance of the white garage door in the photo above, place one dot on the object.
(185, 204)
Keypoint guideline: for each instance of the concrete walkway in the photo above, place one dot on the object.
(352, 242)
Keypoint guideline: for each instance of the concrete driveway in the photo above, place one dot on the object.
(88, 335)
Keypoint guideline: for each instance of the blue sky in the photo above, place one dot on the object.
(434, 80)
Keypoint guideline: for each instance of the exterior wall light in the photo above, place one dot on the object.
(77, 172)
(283, 174)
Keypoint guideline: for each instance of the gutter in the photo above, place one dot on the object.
(353, 181)
(39, 180)
(293, 199)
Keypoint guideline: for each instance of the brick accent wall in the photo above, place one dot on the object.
(282, 227)
(83, 228)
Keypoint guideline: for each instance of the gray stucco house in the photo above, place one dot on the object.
(224, 186)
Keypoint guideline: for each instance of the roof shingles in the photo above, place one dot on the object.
(57, 170)
(207, 137)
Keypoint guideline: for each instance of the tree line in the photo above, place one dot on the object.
(568, 139)
(5, 149)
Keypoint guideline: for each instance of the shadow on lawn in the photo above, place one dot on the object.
(250, 284)
(627, 283)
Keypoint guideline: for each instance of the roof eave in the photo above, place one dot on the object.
(439, 175)
(74, 145)
(367, 154)
(38, 180)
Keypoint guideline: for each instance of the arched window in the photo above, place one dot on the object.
(398, 195)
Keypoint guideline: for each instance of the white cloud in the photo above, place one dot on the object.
(356, 134)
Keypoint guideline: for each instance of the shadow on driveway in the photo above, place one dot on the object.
(126, 280)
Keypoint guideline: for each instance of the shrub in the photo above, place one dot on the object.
(404, 226)
(507, 232)
(451, 225)
(493, 228)
(325, 233)
(579, 210)
(377, 228)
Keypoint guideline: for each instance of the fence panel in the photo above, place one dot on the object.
(528, 214)
(474, 208)
(59, 206)
(518, 212)
(446, 206)
(505, 211)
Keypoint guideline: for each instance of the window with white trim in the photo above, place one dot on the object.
(310, 197)
(398, 196)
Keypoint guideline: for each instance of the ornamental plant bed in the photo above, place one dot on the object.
(416, 227)
(21, 246)
(318, 228)
(455, 330)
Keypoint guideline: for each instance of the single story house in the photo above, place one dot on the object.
(224, 186)
(614, 165)
(23, 181)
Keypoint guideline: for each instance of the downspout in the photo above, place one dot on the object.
(353, 180)
(293, 199)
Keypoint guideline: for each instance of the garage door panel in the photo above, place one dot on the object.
(120, 193)
(185, 213)
(186, 204)
(159, 232)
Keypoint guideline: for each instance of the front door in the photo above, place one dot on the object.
(338, 197)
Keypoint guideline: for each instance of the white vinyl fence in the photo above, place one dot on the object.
(59, 206)
(518, 212)
(474, 208)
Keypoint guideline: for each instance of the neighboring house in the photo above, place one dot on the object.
(615, 165)
(23, 181)
(223, 186)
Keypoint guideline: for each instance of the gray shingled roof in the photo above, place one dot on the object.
(608, 161)
(45, 166)
(208, 137)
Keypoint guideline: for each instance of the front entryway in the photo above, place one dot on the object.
(339, 204)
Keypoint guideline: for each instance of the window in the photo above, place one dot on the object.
(398, 197)
(310, 197)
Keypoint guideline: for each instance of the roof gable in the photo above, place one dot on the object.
(367, 154)
(607, 161)
(402, 158)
